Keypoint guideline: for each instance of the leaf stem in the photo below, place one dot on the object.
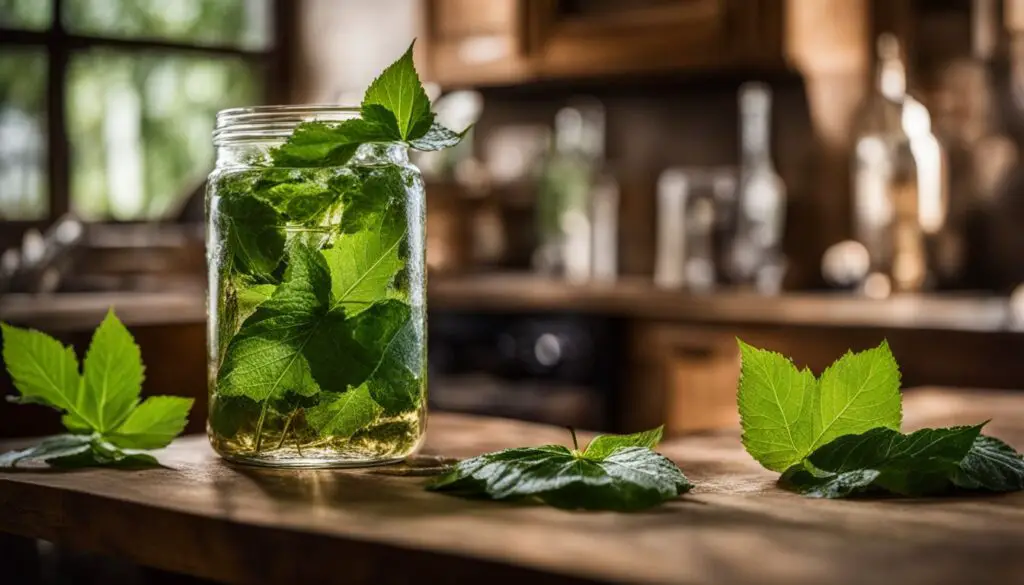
(287, 426)
(319, 443)
(575, 443)
(259, 425)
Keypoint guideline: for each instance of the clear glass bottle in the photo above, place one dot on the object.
(899, 186)
(566, 197)
(316, 301)
(756, 256)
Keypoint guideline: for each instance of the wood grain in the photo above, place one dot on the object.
(204, 517)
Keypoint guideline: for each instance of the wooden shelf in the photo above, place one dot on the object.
(79, 311)
(204, 517)
(631, 297)
(638, 298)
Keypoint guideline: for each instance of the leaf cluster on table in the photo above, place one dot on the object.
(839, 435)
(107, 421)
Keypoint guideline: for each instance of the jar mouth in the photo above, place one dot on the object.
(260, 123)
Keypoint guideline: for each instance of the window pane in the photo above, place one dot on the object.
(140, 124)
(240, 23)
(23, 181)
(26, 14)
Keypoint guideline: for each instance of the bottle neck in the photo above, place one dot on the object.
(581, 131)
(755, 125)
(892, 79)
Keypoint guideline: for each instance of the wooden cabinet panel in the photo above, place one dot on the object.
(569, 39)
(473, 42)
(702, 385)
(507, 41)
(466, 18)
(683, 377)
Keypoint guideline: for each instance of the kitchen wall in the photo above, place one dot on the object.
(343, 45)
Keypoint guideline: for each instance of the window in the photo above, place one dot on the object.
(106, 106)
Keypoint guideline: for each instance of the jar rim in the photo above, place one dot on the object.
(256, 123)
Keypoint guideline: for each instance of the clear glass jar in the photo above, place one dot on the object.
(317, 304)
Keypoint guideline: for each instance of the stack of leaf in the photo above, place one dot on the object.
(839, 435)
(106, 422)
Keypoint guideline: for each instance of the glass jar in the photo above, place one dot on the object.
(316, 301)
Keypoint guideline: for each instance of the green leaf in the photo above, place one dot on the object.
(113, 375)
(786, 414)
(399, 91)
(228, 414)
(438, 137)
(342, 415)
(75, 451)
(363, 265)
(102, 454)
(830, 485)
(916, 464)
(154, 424)
(882, 447)
(255, 234)
(76, 425)
(991, 465)
(627, 479)
(603, 445)
(306, 202)
(328, 144)
(859, 392)
(48, 448)
(776, 404)
(299, 340)
(377, 204)
(251, 297)
(383, 118)
(337, 361)
(45, 372)
(393, 334)
(265, 356)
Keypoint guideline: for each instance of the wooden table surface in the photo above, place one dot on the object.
(207, 518)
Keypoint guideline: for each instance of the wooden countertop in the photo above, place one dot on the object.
(509, 292)
(207, 518)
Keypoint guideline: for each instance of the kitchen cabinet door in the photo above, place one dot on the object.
(474, 42)
(608, 37)
(683, 377)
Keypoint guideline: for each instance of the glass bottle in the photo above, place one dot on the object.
(899, 184)
(756, 257)
(568, 240)
(316, 301)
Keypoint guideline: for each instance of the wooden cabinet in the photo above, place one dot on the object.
(509, 41)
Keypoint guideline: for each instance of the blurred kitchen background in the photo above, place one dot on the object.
(644, 181)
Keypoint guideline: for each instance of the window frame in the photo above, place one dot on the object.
(59, 45)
